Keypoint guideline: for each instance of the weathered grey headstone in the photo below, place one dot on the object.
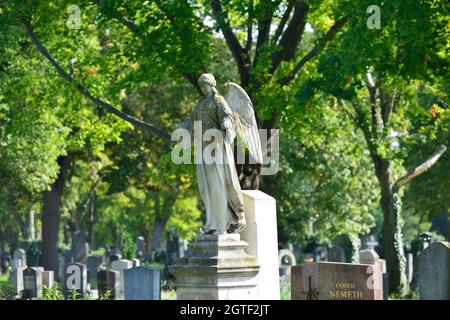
(136, 263)
(337, 254)
(370, 256)
(320, 253)
(336, 281)
(142, 284)
(18, 280)
(75, 279)
(32, 283)
(93, 264)
(121, 266)
(286, 260)
(370, 242)
(20, 258)
(434, 272)
(19, 261)
(48, 279)
(115, 257)
(108, 280)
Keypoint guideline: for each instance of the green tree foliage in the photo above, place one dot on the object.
(379, 72)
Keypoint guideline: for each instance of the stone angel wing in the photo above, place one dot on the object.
(244, 117)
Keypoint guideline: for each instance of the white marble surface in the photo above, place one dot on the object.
(262, 236)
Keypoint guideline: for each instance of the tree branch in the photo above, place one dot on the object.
(233, 44)
(263, 31)
(377, 121)
(328, 36)
(283, 21)
(422, 168)
(292, 37)
(99, 102)
(248, 46)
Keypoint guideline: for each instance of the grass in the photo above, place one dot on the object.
(168, 295)
(6, 288)
(285, 290)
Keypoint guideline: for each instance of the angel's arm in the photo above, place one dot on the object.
(226, 118)
(225, 114)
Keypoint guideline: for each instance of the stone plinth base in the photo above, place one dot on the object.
(216, 268)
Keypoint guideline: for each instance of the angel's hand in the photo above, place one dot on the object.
(230, 135)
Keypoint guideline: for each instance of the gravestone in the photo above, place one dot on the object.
(75, 279)
(19, 258)
(369, 256)
(136, 263)
(18, 280)
(32, 283)
(19, 261)
(121, 266)
(261, 234)
(336, 281)
(140, 245)
(108, 280)
(434, 272)
(337, 254)
(142, 284)
(370, 242)
(286, 260)
(48, 279)
(115, 257)
(93, 264)
(347, 249)
(320, 253)
(417, 246)
(80, 249)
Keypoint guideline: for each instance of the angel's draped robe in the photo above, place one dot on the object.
(218, 182)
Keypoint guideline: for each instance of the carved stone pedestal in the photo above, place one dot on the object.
(216, 268)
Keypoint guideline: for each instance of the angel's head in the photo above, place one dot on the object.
(207, 84)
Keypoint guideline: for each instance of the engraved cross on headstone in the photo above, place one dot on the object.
(312, 293)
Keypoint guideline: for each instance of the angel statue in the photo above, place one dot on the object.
(218, 182)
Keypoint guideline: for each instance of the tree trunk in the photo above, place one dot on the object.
(51, 216)
(393, 244)
(30, 225)
(163, 214)
(158, 233)
(92, 207)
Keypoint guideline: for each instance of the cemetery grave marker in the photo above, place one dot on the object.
(336, 281)
(108, 280)
(434, 272)
(32, 283)
(142, 284)
(121, 265)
